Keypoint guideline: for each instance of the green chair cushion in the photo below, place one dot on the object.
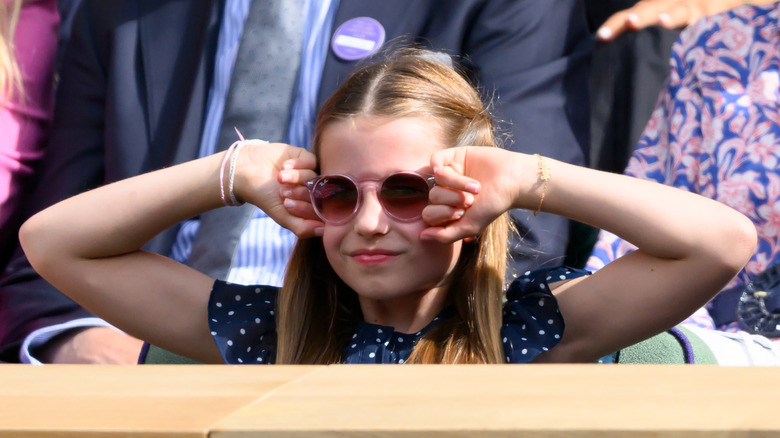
(156, 355)
(665, 348)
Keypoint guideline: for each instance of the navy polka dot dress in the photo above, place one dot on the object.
(243, 324)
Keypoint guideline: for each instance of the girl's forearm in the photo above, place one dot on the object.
(663, 221)
(689, 248)
(88, 247)
(121, 217)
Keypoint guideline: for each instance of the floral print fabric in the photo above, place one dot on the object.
(716, 129)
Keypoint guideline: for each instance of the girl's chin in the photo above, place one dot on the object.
(382, 291)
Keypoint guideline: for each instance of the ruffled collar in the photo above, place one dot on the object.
(373, 343)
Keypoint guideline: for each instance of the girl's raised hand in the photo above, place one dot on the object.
(272, 176)
(474, 185)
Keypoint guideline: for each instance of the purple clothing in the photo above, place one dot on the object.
(25, 119)
(716, 130)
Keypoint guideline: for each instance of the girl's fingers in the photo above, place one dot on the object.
(297, 158)
(307, 159)
(446, 196)
(298, 218)
(449, 233)
(441, 159)
(300, 209)
(300, 158)
(295, 176)
(297, 192)
(446, 176)
(436, 215)
(304, 228)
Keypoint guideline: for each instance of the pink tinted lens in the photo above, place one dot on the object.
(405, 195)
(335, 198)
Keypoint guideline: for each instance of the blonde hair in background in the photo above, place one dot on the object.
(10, 76)
(317, 311)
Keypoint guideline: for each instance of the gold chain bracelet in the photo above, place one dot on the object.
(544, 175)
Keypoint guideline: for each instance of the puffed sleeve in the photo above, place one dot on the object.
(532, 321)
(242, 322)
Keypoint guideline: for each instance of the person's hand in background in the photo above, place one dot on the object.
(93, 345)
(667, 13)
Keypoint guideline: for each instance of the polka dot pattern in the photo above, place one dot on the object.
(246, 334)
(243, 333)
(381, 344)
(532, 322)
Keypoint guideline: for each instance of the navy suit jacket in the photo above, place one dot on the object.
(136, 75)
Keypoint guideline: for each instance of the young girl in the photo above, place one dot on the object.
(400, 213)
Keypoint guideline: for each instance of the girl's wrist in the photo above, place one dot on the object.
(223, 182)
(544, 179)
(227, 174)
(234, 177)
(531, 186)
(251, 171)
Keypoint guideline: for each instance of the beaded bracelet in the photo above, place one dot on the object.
(231, 155)
(544, 175)
(232, 173)
(225, 160)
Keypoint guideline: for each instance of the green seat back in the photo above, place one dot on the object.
(665, 348)
(156, 355)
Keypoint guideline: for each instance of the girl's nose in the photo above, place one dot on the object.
(370, 218)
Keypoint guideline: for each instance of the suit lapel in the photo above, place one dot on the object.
(172, 36)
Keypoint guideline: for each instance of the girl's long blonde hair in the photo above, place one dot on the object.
(10, 76)
(317, 311)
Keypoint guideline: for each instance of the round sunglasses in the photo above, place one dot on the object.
(337, 197)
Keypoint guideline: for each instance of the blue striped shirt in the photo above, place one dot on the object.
(264, 248)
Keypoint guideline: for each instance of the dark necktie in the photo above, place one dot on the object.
(258, 104)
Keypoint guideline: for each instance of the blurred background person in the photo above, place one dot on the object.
(28, 45)
(716, 131)
(628, 70)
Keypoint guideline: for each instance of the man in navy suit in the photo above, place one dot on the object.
(133, 94)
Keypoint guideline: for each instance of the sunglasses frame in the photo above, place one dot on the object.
(428, 178)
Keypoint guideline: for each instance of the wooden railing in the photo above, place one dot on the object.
(390, 400)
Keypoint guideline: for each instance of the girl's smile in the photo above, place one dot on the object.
(380, 258)
(373, 256)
